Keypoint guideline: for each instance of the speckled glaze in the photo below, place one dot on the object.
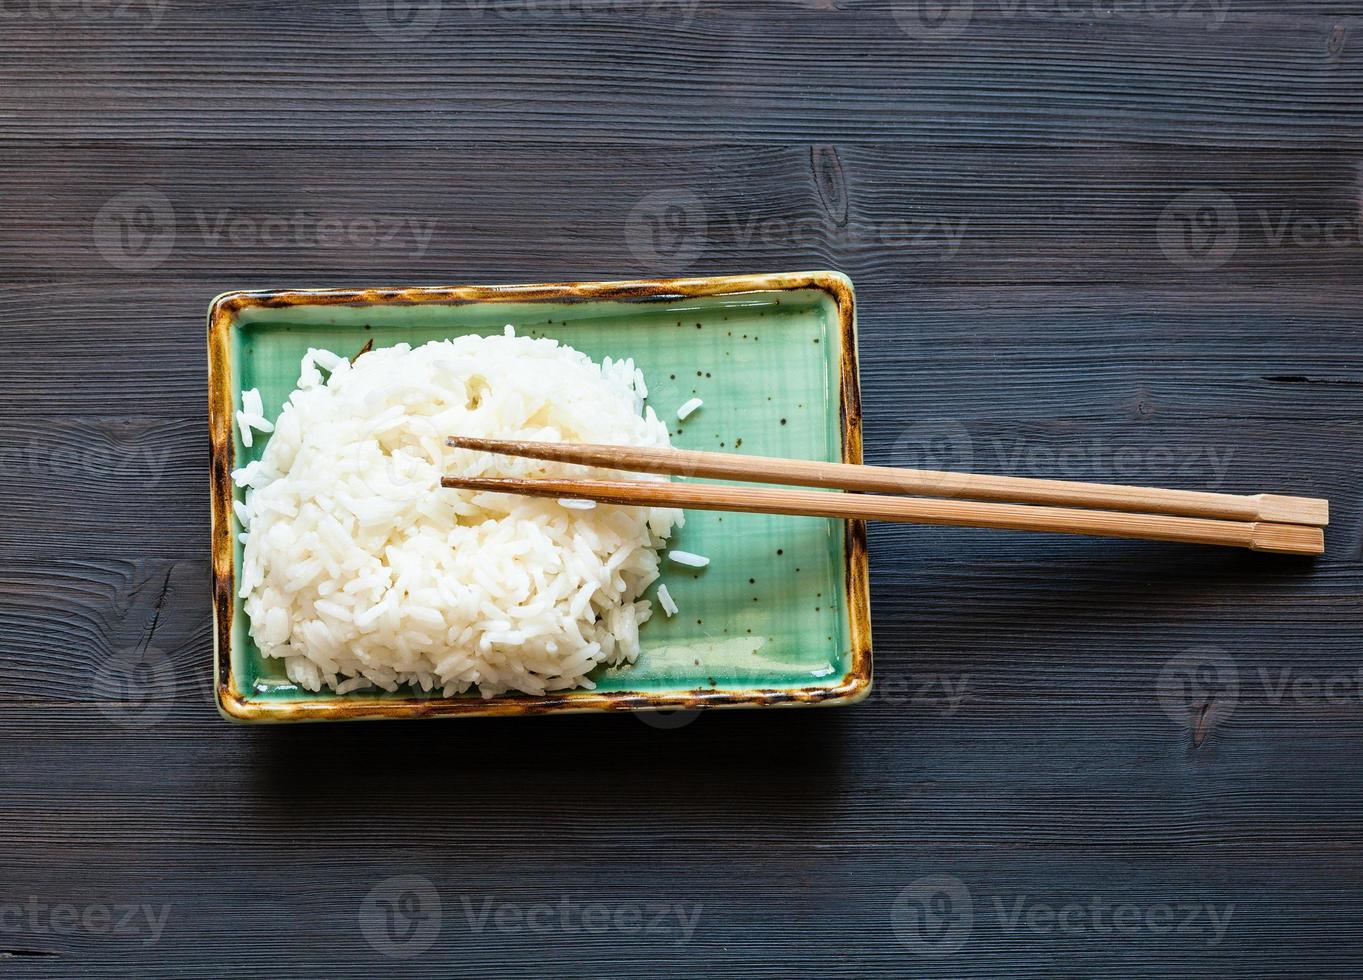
(246, 691)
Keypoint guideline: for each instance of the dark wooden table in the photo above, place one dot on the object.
(1106, 242)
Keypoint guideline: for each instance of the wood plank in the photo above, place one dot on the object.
(1121, 775)
(1220, 74)
(928, 215)
(1266, 921)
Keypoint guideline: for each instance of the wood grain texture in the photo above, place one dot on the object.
(1225, 73)
(906, 481)
(1105, 245)
(911, 213)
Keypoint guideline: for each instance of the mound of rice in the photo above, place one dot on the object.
(360, 570)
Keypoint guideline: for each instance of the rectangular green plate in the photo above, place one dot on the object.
(780, 617)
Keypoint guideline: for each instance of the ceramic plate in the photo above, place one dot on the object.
(780, 617)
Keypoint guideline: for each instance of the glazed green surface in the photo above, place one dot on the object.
(771, 609)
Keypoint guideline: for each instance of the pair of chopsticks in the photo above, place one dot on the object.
(1261, 522)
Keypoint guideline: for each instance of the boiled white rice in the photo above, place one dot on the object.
(359, 570)
(688, 559)
(252, 416)
(666, 601)
(244, 428)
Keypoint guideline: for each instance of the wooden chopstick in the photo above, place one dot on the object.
(1290, 539)
(932, 483)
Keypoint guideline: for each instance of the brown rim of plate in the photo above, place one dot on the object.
(236, 705)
